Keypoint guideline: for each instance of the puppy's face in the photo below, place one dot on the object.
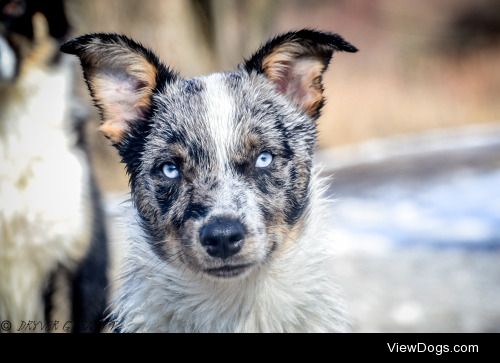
(219, 165)
(22, 24)
(224, 172)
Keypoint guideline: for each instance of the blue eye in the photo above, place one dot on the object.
(264, 160)
(170, 171)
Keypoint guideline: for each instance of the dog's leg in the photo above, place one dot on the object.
(90, 280)
(48, 296)
(56, 300)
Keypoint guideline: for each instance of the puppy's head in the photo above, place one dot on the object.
(219, 165)
(25, 26)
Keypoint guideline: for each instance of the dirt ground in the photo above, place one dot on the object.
(422, 290)
(419, 234)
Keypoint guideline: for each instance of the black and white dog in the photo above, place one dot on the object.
(230, 228)
(53, 252)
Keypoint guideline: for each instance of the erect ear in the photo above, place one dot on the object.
(295, 63)
(122, 76)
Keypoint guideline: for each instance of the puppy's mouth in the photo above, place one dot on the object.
(228, 270)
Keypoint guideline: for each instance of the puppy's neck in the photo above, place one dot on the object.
(292, 292)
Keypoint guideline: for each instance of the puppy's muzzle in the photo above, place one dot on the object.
(222, 237)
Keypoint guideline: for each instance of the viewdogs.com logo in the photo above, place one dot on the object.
(436, 349)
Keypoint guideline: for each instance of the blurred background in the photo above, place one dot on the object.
(410, 137)
(422, 65)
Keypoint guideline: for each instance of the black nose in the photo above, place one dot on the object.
(222, 237)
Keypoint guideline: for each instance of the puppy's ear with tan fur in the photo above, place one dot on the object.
(122, 76)
(295, 63)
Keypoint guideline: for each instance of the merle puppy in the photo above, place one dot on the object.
(230, 230)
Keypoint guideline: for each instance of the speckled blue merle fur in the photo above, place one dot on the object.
(218, 160)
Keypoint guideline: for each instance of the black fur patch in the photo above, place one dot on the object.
(195, 211)
(166, 194)
(192, 86)
(21, 22)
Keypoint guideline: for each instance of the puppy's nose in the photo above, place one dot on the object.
(222, 237)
